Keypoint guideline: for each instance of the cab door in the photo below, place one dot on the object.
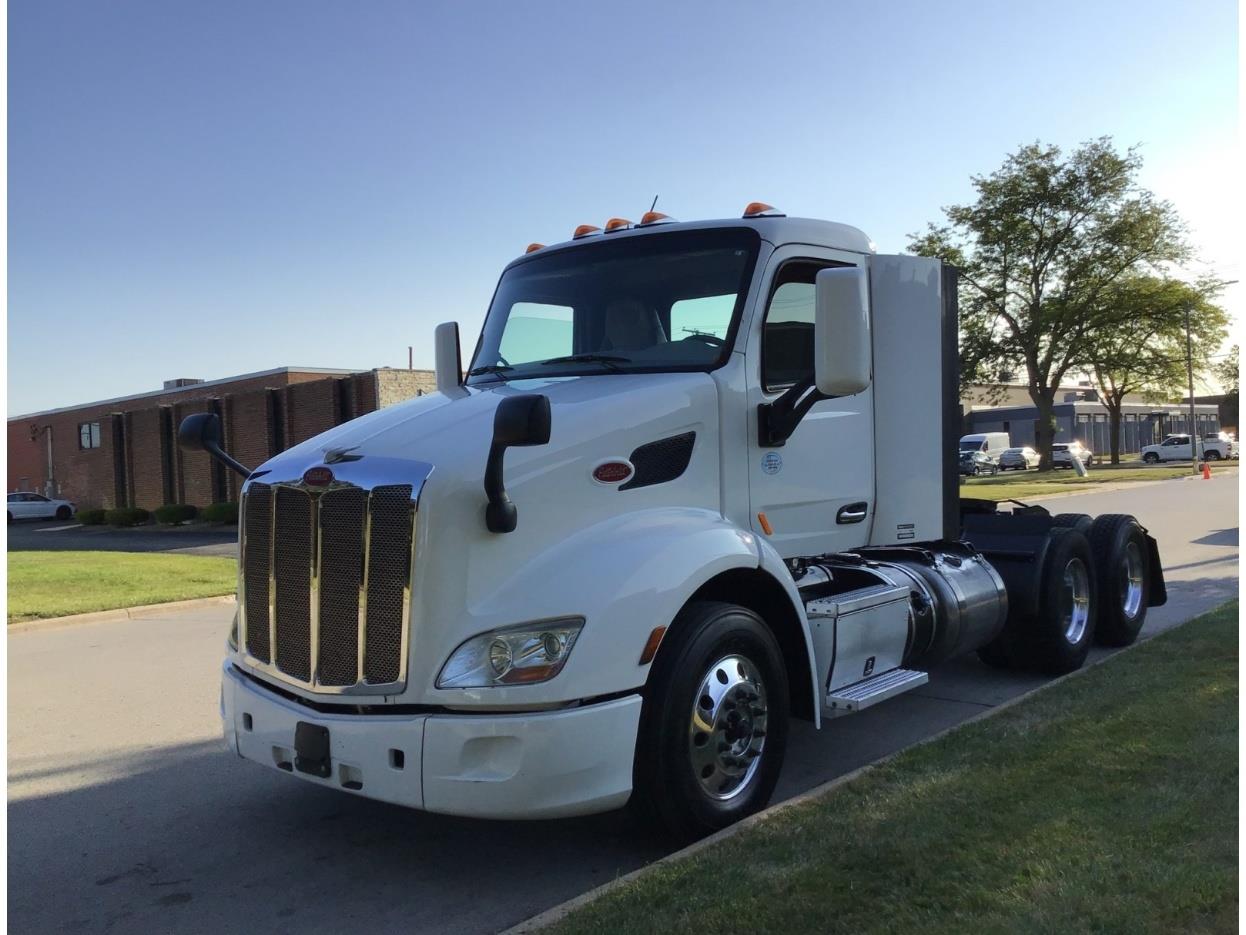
(817, 489)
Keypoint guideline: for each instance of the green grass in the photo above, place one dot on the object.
(1019, 485)
(54, 584)
(1105, 804)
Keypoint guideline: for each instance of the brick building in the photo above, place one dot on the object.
(124, 452)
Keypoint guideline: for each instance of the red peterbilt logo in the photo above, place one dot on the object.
(318, 477)
(612, 472)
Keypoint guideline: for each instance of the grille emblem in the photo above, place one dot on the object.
(318, 477)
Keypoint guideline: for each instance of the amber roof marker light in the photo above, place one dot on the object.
(655, 217)
(617, 224)
(534, 247)
(759, 209)
(585, 230)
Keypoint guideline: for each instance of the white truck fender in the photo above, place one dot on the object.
(772, 563)
(625, 576)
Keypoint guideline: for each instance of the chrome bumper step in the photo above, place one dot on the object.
(863, 694)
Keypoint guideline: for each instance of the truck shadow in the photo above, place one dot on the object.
(189, 838)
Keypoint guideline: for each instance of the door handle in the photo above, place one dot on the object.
(852, 513)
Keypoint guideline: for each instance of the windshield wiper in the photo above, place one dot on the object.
(496, 369)
(611, 361)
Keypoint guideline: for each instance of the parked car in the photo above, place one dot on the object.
(1062, 454)
(975, 463)
(1019, 459)
(1177, 448)
(37, 506)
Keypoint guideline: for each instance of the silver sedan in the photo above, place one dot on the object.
(1018, 459)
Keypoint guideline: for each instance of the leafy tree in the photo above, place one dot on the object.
(1139, 345)
(1046, 236)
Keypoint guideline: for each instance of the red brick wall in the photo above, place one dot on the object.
(145, 463)
(150, 460)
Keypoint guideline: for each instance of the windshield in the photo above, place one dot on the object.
(661, 302)
(971, 445)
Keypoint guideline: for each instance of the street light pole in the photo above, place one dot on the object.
(1189, 371)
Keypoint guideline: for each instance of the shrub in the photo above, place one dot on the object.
(91, 517)
(219, 513)
(171, 514)
(127, 516)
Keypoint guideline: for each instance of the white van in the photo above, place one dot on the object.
(990, 443)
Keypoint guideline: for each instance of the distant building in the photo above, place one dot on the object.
(1080, 416)
(124, 452)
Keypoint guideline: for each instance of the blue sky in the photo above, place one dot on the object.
(206, 189)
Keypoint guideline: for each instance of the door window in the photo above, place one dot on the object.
(787, 333)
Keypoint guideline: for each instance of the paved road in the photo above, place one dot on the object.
(126, 815)
(52, 536)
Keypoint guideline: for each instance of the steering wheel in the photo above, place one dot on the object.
(712, 340)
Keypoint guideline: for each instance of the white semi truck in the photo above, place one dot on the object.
(698, 479)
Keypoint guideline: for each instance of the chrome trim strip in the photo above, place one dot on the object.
(313, 584)
(242, 574)
(272, 581)
(363, 588)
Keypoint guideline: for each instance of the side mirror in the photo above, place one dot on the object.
(518, 421)
(842, 355)
(449, 363)
(202, 432)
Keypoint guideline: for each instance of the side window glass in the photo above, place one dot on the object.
(787, 335)
(537, 332)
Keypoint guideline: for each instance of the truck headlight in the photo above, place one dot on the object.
(522, 655)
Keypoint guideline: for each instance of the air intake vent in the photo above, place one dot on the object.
(661, 461)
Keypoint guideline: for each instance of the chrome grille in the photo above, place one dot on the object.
(342, 514)
(257, 532)
(388, 571)
(292, 572)
(326, 583)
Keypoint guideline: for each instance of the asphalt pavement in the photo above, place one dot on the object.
(126, 814)
(54, 536)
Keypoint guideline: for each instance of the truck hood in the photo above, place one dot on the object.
(594, 418)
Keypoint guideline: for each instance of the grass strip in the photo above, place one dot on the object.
(55, 584)
(1022, 484)
(1106, 804)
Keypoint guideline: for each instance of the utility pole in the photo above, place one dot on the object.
(1189, 372)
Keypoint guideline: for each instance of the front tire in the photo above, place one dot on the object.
(1150, 458)
(713, 730)
(63, 513)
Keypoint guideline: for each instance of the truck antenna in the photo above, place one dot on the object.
(655, 203)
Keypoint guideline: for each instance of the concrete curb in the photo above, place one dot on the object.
(562, 910)
(121, 613)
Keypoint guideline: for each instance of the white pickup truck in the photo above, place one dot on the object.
(1177, 448)
(659, 517)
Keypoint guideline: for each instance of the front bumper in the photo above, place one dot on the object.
(550, 764)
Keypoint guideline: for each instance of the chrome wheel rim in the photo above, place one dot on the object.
(1131, 582)
(727, 733)
(1075, 600)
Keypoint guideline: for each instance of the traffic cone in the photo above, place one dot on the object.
(1206, 471)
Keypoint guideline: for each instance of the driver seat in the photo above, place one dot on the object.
(631, 325)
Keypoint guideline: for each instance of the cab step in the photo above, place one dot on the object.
(867, 692)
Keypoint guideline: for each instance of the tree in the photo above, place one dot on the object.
(1139, 345)
(1045, 238)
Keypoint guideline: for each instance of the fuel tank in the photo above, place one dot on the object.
(958, 602)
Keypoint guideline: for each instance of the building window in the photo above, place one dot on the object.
(88, 435)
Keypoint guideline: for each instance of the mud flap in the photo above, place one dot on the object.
(1155, 571)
